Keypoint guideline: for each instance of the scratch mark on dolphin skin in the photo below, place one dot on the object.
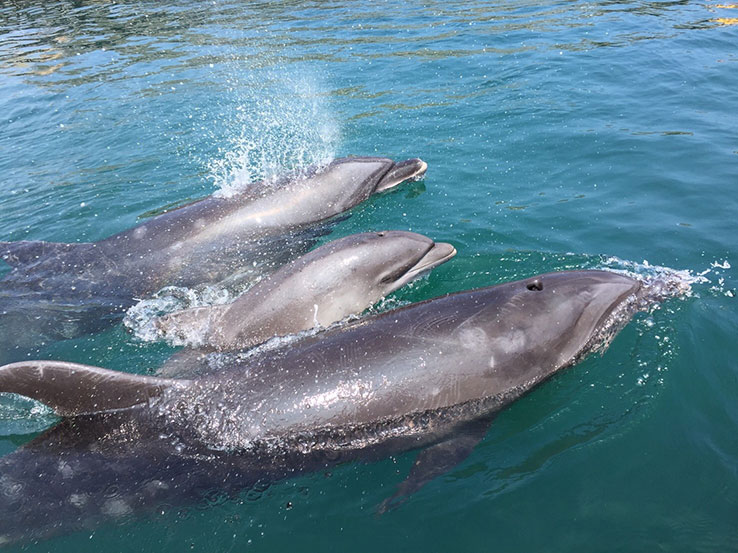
(10, 487)
(65, 470)
(79, 500)
(473, 338)
(432, 340)
(315, 315)
(116, 508)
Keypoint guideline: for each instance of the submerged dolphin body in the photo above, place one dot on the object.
(58, 291)
(339, 279)
(430, 375)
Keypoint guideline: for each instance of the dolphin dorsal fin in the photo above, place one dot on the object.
(72, 389)
(29, 251)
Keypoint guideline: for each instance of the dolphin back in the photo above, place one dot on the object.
(28, 251)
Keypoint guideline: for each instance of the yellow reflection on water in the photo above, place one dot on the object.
(48, 70)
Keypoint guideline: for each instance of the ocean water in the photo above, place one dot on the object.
(559, 135)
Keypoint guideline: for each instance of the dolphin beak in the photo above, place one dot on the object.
(437, 254)
(612, 302)
(405, 170)
(613, 296)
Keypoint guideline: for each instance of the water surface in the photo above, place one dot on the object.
(558, 135)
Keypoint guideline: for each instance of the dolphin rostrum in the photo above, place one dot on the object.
(428, 376)
(339, 279)
(58, 291)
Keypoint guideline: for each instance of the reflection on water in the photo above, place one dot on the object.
(82, 42)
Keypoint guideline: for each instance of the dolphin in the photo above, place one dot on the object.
(428, 376)
(57, 291)
(339, 279)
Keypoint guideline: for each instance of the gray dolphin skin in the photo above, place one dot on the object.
(429, 376)
(56, 291)
(339, 279)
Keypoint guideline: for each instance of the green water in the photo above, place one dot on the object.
(558, 136)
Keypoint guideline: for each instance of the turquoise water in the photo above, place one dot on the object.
(558, 135)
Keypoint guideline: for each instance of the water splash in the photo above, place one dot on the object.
(21, 415)
(672, 282)
(140, 318)
(279, 128)
(660, 283)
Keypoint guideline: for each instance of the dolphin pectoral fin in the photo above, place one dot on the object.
(437, 460)
(73, 389)
(28, 251)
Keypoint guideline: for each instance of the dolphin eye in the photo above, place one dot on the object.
(380, 234)
(397, 273)
(535, 285)
(393, 276)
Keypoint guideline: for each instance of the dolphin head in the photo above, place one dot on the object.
(346, 182)
(400, 172)
(570, 314)
(346, 276)
(522, 332)
(397, 257)
(341, 278)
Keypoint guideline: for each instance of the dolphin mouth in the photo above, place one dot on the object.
(400, 172)
(612, 320)
(622, 303)
(438, 253)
